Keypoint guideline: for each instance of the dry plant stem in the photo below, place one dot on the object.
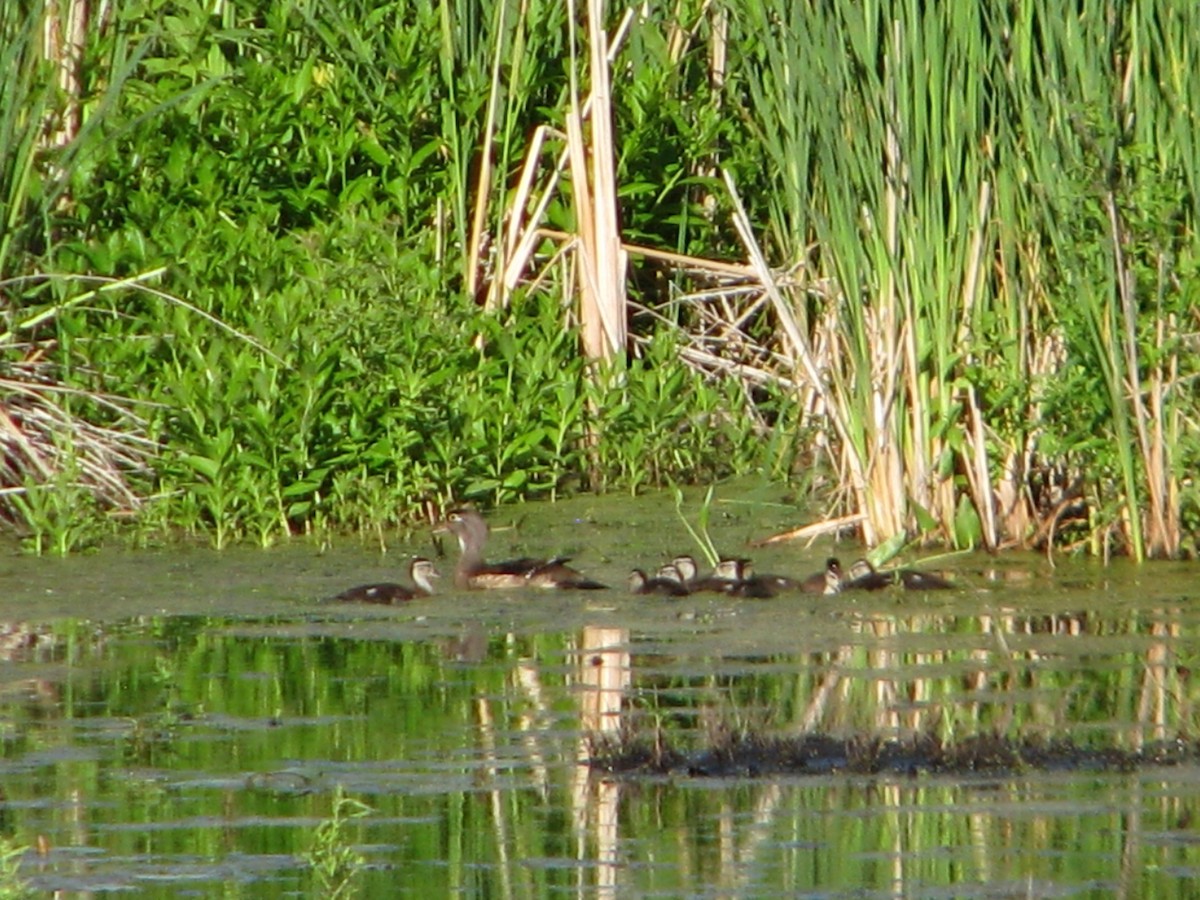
(979, 476)
(1132, 386)
(66, 50)
(516, 218)
(602, 278)
(796, 339)
(1153, 450)
(887, 472)
(521, 240)
(813, 531)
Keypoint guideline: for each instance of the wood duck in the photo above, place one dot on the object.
(667, 582)
(671, 572)
(725, 575)
(748, 584)
(828, 581)
(917, 580)
(473, 573)
(865, 577)
(422, 573)
(736, 576)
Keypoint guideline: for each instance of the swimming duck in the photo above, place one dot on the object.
(420, 570)
(724, 575)
(827, 581)
(916, 580)
(472, 572)
(666, 582)
(736, 576)
(865, 577)
(748, 584)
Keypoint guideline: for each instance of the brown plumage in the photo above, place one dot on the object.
(865, 577)
(667, 582)
(474, 573)
(828, 581)
(422, 573)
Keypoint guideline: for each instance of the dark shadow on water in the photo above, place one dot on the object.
(758, 756)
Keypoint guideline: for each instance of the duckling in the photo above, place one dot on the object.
(726, 573)
(865, 577)
(422, 573)
(828, 581)
(747, 584)
(664, 583)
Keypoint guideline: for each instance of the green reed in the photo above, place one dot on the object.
(933, 163)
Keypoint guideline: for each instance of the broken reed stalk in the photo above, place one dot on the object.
(42, 443)
(603, 263)
(524, 225)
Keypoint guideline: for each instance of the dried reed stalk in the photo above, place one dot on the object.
(589, 158)
(41, 443)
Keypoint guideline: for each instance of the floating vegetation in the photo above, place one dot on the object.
(754, 755)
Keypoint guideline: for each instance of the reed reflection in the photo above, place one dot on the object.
(604, 676)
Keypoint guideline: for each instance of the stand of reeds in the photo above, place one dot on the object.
(980, 220)
(967, 196)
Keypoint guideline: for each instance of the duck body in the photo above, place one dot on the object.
(828, 581)
(736, 576)
(865, 577)
(724, 577)
(916, 580)
(759, 587)
(473, 572)
(388, 593)
(664, 583)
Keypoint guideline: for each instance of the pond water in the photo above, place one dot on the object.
(184, 723)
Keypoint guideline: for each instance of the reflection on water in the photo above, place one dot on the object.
(193, 753)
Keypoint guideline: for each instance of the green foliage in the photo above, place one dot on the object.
(290, 168)
(305, 174)
(335, 864)
(699, 534)
(12, 885)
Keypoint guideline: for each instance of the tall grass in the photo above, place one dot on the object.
(970, 177)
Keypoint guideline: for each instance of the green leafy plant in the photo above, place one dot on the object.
(12, 885)
(334, 863)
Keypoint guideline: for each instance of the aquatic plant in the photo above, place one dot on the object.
(13, 886)
(762, 755)
(334, 863)
(964, 223)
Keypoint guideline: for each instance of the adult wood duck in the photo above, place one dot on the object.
(474, 573)
(865, 577)
(422, 573)
(667, 582)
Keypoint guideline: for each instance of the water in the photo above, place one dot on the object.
(182, 722)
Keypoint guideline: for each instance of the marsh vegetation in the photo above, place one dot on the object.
(277, 268)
